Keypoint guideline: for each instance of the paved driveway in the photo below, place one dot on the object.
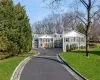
(46, 67)
(49, 52)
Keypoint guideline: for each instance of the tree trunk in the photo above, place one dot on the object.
(87, 44)
(88, 28)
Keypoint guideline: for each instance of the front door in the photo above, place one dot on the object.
(46, 45)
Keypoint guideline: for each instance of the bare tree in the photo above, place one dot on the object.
(91, 8)
(44, 26)
(70, 21)
(88, 5)
(95, 29)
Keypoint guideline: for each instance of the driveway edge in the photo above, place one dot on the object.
(75, 73)
(18, 70)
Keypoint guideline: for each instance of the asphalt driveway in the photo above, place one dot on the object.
(49, 52)
(46, 67)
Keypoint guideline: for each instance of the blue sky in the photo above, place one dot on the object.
(36, 9)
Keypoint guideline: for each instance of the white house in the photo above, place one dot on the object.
(73, 38)
(59, 40)
(47, 40)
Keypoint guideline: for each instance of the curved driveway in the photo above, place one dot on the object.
(45, 67)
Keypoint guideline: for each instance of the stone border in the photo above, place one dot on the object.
(17, 72)
(76, 74)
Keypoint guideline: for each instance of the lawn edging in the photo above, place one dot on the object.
(75, 73)
(18, 70)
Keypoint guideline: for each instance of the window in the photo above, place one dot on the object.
(35, 36)
(41, 40)
(77, 39)
(67, 39)
(71, 40)
(46, 40)
(74, 39)
(51, 39)
(41, 45)
(82, 39)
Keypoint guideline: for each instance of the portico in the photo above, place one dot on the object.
(46, 41)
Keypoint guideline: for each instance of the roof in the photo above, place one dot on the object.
(74, 34)
(56, 34)
(45, 36)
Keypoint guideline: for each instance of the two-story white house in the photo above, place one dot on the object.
(59, 40)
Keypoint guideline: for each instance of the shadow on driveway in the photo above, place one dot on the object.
(48, 58)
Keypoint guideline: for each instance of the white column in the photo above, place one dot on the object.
(53, 42)
(39, 43)
(69, 42)
(64, 47)
(42, 43)
(78, 43)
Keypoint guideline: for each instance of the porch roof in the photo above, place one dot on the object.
(45, 37)
(74, 34)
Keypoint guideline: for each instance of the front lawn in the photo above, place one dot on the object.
(87, 66)
(7, 66)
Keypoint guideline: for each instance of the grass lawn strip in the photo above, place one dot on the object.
(7, 66)
(87, 66)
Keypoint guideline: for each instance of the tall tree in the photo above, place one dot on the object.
(14, 28)
(89, 6)
(24, 29)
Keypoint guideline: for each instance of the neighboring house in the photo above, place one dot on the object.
(73, 38)
(59, 40)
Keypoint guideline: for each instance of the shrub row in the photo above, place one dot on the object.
(72, 47)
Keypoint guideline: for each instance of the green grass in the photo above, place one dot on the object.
(7, 66)
(87, 66)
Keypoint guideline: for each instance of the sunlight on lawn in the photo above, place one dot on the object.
(88, 67)
(7, 66)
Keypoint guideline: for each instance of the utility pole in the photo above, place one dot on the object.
(61, 25)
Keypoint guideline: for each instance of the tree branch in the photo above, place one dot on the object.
(82, 15)
(54, 1)
(93, 2)
(98, 11)
(81, 20)
(84, 3)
